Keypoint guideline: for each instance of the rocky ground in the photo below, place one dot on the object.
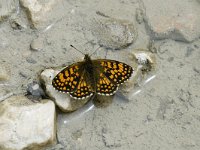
(35, 38)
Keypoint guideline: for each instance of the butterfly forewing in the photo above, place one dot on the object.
(67, 80)
(117, 72)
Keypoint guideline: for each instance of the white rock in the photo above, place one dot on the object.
(24, 124)
(7, 7)
(62, 100)
(4, 73)
(145, 58)
(38, 10)
(177, 20)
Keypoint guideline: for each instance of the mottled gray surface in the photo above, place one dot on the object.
(165, 115)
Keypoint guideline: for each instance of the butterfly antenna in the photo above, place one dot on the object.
(95, 50)
(77, 49)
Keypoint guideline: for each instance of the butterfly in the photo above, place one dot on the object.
(88, 77)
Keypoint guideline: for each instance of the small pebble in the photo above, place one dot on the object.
(139, 15)
(37, 44)
(35, 90)
(31, 60)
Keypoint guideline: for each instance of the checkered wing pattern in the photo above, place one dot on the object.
(83, 90)
(116, 72)
(105, 86)
(67, 80)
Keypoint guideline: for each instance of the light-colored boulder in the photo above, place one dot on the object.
(25, 124)
(38, 10)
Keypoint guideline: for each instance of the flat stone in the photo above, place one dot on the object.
(173, 19)
(4, 73)
(37, 44)
(62, 100)
(7, 7)
(38, 10)
(115, 34)
(26, 125)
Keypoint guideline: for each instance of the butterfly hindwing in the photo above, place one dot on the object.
(105, 86)
(117, 72)
(83, 90)
(67, 80)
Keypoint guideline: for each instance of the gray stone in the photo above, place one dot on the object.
(173, 19)
(139, 15)
(35, 90)
(114, 34)
(26, 125)
(37, 44)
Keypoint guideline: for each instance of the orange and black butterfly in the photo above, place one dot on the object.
(88, 77)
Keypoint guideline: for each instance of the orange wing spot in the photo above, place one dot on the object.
(111, 76)
(114, 66)
(112, 72)
(66, 73)
(64, 88)
(115, 71)
(74, 82)
(100, 81)
(77, 74)
(121, 65)
(122, 78)
(73, 86)
(120, 70)
(76, 67)
(71, 79)
(61, 77)
(70, 84)
(84, 84)
(57, 81)
(109, 64)
(71, 70)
